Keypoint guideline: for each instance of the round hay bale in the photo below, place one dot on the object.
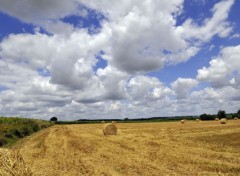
(102, 121)
(235, 118)
(216, 119)
(223, 121)
(11, 163)
(109, 129)
(182, 121)
(197, 120)
(114, 122)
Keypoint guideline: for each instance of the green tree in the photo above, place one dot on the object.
(221, 114)
(206, 117)
(238, 113)
(53, 119)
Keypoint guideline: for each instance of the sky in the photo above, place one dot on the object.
(88, 59)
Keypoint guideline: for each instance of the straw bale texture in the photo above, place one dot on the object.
(109, 129)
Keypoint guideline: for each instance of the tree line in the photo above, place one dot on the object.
(221, 114)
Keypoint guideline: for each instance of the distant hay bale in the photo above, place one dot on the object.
(11, 163)
(114, 122)
(182, 121)
(235, 118)
(197, 120)
(110, 129)
(216, 119)
(223, 121)
(103, 121)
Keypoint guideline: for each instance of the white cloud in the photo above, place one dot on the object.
(235, 36)
(138, 34)
(36, 11)
(69, 60)
(143, 87)
(223, 69)
(211, 47)
(211, 100)
(183, 86)
(113, 81)
(136, 38)
(44, 13)
(204, 33)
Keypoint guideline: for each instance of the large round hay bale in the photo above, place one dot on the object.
(217, 119)
(223, 121)
(235, 118)
(109, 129)
(197, 120)
(11, 163)
(182, 121)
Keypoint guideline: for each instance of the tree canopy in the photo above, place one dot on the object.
(207, 117)
(54, 119)
(221, 114)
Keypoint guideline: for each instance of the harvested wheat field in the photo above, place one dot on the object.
(171, 148)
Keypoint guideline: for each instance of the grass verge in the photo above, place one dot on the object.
(13, 128)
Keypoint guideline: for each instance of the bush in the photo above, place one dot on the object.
(17, 133)
(2, 142)
(35, 127)
(26, 131)
(8, 135)
(43, 126)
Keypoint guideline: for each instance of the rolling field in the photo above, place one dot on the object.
(168, 148)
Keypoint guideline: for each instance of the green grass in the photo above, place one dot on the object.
(12, 129)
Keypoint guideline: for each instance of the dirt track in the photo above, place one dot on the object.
(138, 149)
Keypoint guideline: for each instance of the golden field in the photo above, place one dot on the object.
(166, 148)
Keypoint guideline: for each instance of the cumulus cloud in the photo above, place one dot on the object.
(142, 37)
(143, 87)
(56, 74)
(183, 86)
(44, 13)
(193, 31)
(224, 69)
(146, 37)
(32, 11)
(211, 99)
(69, 60)
(113, 81)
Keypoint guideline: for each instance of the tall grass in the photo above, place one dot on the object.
(13, 128)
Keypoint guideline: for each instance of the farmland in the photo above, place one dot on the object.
(167, 148)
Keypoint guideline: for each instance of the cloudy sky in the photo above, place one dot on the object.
(121, 58)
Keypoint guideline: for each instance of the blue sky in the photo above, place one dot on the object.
(85, 59)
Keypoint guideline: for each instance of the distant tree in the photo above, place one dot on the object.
(221, 114)
(238, 113)
(207, 117)
(53, 119)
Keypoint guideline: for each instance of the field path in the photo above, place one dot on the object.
(205, 148)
